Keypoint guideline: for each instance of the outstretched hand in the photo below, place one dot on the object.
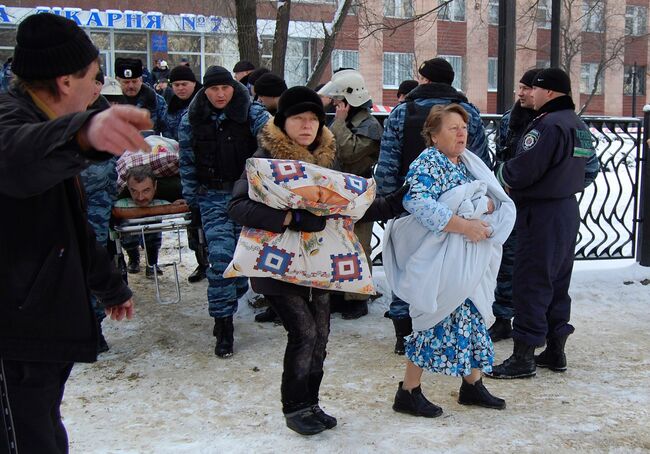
(119, 312)
(117, 129)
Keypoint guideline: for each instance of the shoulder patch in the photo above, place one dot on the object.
(530, 139)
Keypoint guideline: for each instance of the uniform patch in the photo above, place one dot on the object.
(530, 139)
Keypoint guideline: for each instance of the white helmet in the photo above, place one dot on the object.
(349, 84)
(111, 87)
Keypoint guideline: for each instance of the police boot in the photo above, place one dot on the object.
(553, 356)
(355, 310)
(500, 329)
(304, 421)
(403, 327)
(414, 403)
(520, 365)
(477, 394)
(223, 331)
(134, 261)
(198, 274)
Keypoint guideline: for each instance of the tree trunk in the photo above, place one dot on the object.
(246, 15)
(280, 39)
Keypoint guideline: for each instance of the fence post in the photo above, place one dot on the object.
(643, 248)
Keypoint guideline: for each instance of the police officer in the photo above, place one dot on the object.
(543, 178)
(216, 136)
(402, 142)
(128, 72)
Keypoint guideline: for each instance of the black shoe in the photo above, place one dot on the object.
(149, 271)
(414, 403)
(223, 330)
(477, 394)
(197, 275)
(520, 365)
(267, 316)
(134, 267)
(304, 421)
(403, 327)
(327, 420)
(102, 345)
(500, 329)
(553, 357)
(355, 310)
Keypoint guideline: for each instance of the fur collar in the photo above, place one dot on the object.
(280, 146)
(201, 110)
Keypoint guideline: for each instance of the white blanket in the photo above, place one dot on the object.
(436, 272)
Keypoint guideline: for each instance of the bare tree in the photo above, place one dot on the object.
(281, 37)
(246, 15)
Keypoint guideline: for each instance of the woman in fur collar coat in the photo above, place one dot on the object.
(298, 132)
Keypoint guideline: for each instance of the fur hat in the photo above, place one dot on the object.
(437, 70)
(128, 68)
(297, 100)
(553, 79)
(217, 75)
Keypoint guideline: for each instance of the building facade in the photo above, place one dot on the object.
(606, 41)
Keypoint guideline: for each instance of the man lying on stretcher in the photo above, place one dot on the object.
(142, 185)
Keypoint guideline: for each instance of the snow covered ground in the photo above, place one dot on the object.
(160, 389)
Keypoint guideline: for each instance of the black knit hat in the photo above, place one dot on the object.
(49, 46)
(182, 72)
(217, 75)
(259, 72)
(270, 85)
(128, 68)
(553, 79)
(243, 65)
(297, 100)
(529, 77)
(406, 86)
(437, 70)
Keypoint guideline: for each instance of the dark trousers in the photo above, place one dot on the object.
(34, 391)
(308, 327)
(502, 306)
(546, 238)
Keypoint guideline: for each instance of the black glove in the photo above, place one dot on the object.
(394, 200)
(305, 221)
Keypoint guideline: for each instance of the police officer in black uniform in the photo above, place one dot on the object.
(543, 178)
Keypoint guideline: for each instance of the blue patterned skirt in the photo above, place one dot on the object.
(455, 346)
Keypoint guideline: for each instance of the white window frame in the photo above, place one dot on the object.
(493, 74)
(493, 12)
(452, 12)
(344, 58)
(636, 20)
(398, 8)
(543, 14)
(392, 77)
(588, 78)
(640, 78)
(457, 63)
(593, 16)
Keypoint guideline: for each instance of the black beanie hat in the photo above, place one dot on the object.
(437, 70)
(270, 85)
(128, 68)
(217, 75)
(259, 72)
(529, 77)
(297, 100)
(243, 65)
(49, 46)
(553, 79)
(406, 86)
(182, 72)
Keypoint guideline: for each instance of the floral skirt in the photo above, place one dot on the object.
(454, 346)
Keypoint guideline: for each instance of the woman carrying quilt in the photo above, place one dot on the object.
(298, 132)
(443, 260)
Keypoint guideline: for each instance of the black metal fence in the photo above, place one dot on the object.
(609, 207)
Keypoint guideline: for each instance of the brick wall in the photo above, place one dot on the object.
(452, 38)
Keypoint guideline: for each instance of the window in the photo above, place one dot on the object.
(493, 12)
(397, 67)
(588, 79)
(221, 50)
(453, 11)
(345, 59)
(636, 18)
(543, 14)
(132, 45)
(628, 80)
(493, 65)
(457, 65)
(593, 12)
(7, 43)
(296, 63)
(398, 8)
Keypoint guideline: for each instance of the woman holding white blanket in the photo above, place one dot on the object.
(443, 261)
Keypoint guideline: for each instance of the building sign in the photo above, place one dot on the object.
(112, 18)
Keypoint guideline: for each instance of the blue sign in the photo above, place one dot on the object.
(159, 42)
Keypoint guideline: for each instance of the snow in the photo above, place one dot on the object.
(160, 389)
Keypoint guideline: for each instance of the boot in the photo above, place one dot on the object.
(520, 365)
(403, 327)
(267, 316)
(500, 329)
(355, 310)
(198, 274)
(134, 261)
(223, 331)
(328, 421)
(414, 403)
(553, 356)
(304, 421)
(150, 270)
(477, 394)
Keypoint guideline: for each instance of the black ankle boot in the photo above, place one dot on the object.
(327, 420)
(414, 403)
(134, 261)
(553, 356)
(304, 421)
(403, 327)
(223, 331)
(355, 310)
(520, 365)
(198, 274)
(477, 394)
(500, 329)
